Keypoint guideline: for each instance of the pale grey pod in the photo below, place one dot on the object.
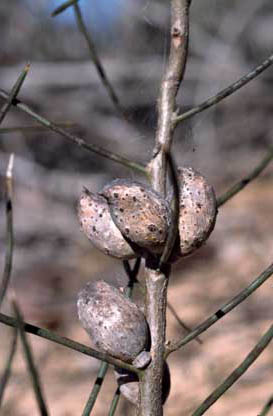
(97, 224)
(129, 385)
(197, 210)
(115, 324)
(139, 212)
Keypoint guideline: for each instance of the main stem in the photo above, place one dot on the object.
(157, 278)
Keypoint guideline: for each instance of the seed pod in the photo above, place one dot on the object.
(197, 210)
(129, 385)
(115, 324)
(97, 224)
(139, 212)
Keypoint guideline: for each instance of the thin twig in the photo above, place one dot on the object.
(75, 139)
(96, 389)
(63, 7)
(14, 92)
(226, 92)
(182, 323)
(9, 231)
(35, 378)
(66, 342)
(236, 374)
(7, 371)
(246, 180)
(267, 407)
(23, 129)
(224, 310)
(114, 403)
(97, 62)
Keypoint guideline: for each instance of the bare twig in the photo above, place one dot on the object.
(9, 232)
(157, 279)
(114, 403)
(224, 310)
(69, 343)
(237, 373)
(226, 92)
(246, 180)
(6, 374)
(14, 92)
(182, 323)
(97, 62)
(96, 389)
(75, 139)
(25, 129)
(63, 7)
(35, 378)
(267, 407)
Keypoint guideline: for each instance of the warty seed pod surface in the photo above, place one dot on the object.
(97, 224)
(197, 210)
(140, 213)
(114, 323)
(129, 385)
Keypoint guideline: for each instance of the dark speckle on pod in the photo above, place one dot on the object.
(114, 323)
(97, 224)
(139, 212)
(129, 385)
(197, 210)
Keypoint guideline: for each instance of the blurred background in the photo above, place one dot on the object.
(52, 259)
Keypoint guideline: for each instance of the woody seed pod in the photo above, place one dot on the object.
(197, 210)
(115, 324)
(97, 224)
(129, 385)
(139, 212)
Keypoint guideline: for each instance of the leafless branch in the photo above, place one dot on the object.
(224, 310)
(97, 62)
(69, 343)
(14, 92)
(9, 231)
(157, 279)
(237, 373)
(239, 186)
(75, 139)
(226, 92)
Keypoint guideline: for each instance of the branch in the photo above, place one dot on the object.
(182, 323)
(236, 374)
(14, 92)
(224, 310)
(225, 92)
(22, 129)
(245, 181)
(75, 139)
(63, 7)
(169, 87)
(157, 278)
(96, 60)
(267, 407)
(114, 403)
(96, 389)
(69, 343)
(9, 232)
(35, 378)
(7, 370)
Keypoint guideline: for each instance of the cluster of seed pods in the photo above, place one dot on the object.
(125, 220)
